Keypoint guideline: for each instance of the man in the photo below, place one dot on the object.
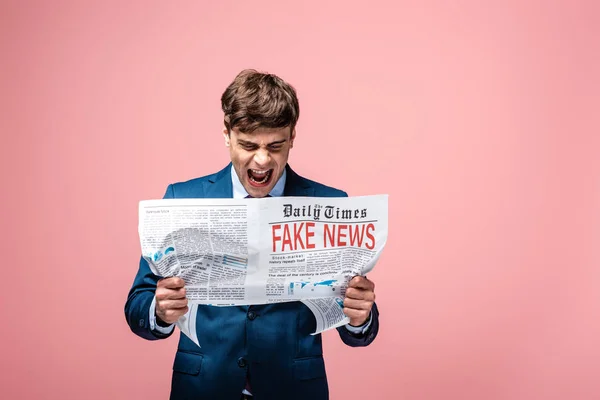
(260, 352)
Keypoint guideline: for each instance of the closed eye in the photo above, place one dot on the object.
(248, 146)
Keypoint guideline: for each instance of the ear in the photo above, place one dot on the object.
(226, 136)
(292, 138)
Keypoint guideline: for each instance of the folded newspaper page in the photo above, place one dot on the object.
(260, 251)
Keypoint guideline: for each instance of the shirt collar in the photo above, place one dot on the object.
(240, 193)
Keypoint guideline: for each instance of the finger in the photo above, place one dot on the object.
(171, 316)
(171, 304)
(361, 282)
(360, 294)
(173, 282)
(358, 304)
(356, 315)
(165, 294)
(170, 312)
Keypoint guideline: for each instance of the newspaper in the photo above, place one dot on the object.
(260, 251)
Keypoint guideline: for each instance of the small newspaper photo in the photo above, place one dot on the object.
(232, 252)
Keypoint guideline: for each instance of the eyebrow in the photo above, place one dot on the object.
(246, 143)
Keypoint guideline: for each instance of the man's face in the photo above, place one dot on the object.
(260, 157)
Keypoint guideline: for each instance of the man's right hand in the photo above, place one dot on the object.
(171, 302)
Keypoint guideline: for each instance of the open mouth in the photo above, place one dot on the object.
(260, 177)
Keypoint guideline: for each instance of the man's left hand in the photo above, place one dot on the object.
(360, 296)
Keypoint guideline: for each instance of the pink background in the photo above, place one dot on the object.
(481, 121)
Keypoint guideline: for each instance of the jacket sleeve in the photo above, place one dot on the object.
(137, 306)
(364, 339)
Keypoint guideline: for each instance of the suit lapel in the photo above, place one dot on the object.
(295, 185)
(219, 186)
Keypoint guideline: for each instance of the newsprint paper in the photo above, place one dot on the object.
(260, 251)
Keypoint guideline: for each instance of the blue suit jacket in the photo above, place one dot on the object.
(271, 343)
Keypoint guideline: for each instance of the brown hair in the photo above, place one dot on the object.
(256, 99)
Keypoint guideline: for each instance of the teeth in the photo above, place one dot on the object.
(258, 172)
(258, 181)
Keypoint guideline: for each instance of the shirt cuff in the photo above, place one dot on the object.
(152, 318)
(360, 330)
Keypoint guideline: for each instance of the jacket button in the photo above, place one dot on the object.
(251, 315)
(241, 362)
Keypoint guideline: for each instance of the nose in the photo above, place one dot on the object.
(262, 157)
